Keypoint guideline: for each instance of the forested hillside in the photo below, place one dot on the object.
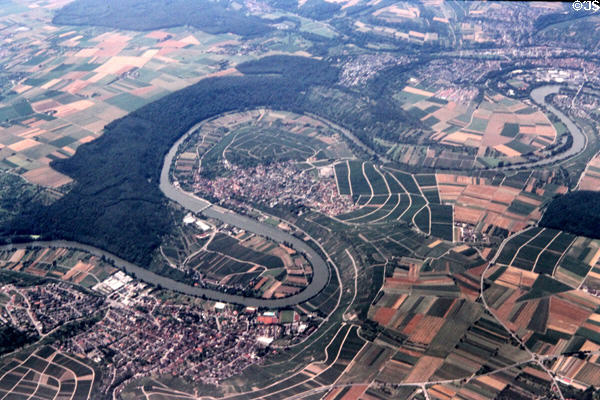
(576, 212)
(116, 203)
(209, 16)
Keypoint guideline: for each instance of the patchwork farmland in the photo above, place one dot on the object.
(503, 203)
(499, 128)
(590, 179)
(73, 80)
(386, 194)
(550, 252)
(48, 374)
(59, 263)
(417, 344)
(545, 293)
(240, 260)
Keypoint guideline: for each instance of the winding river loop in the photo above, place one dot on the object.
(321, 272)
(538, 95)
(195, 204)
(198, 205)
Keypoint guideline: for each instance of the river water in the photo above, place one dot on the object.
(320, 269)
(195, 204)
(579, 139)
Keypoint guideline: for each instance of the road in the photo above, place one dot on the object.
(534, 356)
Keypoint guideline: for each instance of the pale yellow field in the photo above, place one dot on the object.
(425, 367)
(461, 137)
(421, 92)
(48, 177)
(507, 151)
(23, 145)
(118, 63)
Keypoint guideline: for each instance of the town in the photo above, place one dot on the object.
(278, 183)
(137, 334)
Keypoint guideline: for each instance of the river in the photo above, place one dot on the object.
(538, 95)
(320, 268)
(195, 204)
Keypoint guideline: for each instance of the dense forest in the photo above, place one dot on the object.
(209, 16)
(12, 339)
(546, 20)
(315, 9)
(576, 212)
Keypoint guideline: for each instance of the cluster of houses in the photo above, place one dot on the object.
(278, 184)
(43, 308)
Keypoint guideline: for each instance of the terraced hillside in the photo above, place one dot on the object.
(387, 194)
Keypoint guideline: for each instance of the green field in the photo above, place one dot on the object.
(341, 175)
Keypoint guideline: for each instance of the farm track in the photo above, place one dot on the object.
(522, 246)
(543, 250)
(534, 356)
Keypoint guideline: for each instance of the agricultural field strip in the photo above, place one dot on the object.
(561, 257)
(408, 194)
(390, 194)
(238, 260)
(87, 273)
(203, 248)
(223, 156)
(523, 245)
(419, 187)
(426, 383)
(375, 209)
(166, 258)
(299, 372)
(504, 242)
(17, 366)
(339, 352)
(587, 166)
(429, 208)
(387, 185)
(148, 395)
(355, 279)
(335, 175)
(398, 243)
(383, 218)
(349, 181)
(417, 213)
(93, 373)
(38, 381)
(351, 362)
(544, 249)
(534, 356)
(360, 217)
(12, 369)
(367, 179)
